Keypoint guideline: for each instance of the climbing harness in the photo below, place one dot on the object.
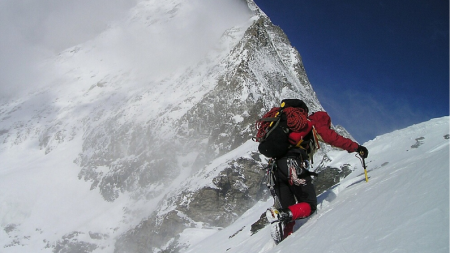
(294, 171)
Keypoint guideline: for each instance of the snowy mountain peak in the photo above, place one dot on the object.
(129, 115)
(144, 131)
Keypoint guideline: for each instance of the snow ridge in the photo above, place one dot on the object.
(403, 207)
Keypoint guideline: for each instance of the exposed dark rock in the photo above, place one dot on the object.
(329, 177)
(70, 244)
(419, 142)
(237, 188)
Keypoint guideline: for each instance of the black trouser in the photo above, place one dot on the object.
(291, 194)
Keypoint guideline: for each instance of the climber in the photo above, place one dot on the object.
(293, 186)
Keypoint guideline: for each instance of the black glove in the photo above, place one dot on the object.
(362, 151)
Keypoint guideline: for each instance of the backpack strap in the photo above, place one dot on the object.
(269, 119)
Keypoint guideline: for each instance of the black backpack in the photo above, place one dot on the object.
(273, 131)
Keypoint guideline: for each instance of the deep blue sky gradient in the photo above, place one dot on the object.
(376, 66)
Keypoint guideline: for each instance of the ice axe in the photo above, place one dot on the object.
(363, 161)
(365, 169)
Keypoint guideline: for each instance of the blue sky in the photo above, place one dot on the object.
(376, 66)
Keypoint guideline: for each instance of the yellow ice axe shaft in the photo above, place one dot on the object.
(365, 169)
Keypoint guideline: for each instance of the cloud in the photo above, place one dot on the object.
(170, 34)
(35, 30)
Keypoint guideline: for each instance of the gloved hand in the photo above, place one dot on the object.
(362, 151)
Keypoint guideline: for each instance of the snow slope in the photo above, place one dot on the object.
(403, 208)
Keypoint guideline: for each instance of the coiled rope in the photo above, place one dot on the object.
(297, 119)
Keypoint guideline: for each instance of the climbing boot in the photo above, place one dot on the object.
(273, 214)
(278, 219)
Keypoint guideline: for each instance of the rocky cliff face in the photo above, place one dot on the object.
(237, 186)
(252, 77)
(262, 69)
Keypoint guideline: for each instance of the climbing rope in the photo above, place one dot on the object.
(262, 126)
(297, 119)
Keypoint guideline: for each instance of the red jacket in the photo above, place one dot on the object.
(322, 123)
